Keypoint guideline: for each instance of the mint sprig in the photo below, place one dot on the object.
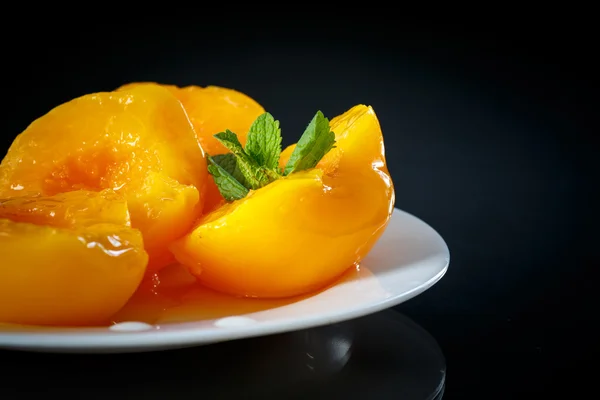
(264, 141)
(254, 174)
(229, 163)
(257, 164)
(315, 142)
(230, 188)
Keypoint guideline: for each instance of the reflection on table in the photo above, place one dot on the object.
(381, 356)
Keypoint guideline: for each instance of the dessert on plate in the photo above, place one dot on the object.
(103, 192)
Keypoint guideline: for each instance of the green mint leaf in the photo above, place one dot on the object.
(315, 142)
(229, 163)
(229, 187)
(230, 140)
(264, 141)
(254, 175)
(257, 164)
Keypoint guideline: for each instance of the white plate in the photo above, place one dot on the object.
(409, 258)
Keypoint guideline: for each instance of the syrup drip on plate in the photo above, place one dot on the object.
(174, 296)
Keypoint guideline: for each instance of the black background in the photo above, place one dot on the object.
(489, 136)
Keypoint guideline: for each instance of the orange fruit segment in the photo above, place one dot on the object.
(213, 109)
(69, 259)
(300, 232)
(138, 142)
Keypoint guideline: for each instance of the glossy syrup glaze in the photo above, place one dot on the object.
(174, 295)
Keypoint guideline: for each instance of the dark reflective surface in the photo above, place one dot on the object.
(382, 356)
